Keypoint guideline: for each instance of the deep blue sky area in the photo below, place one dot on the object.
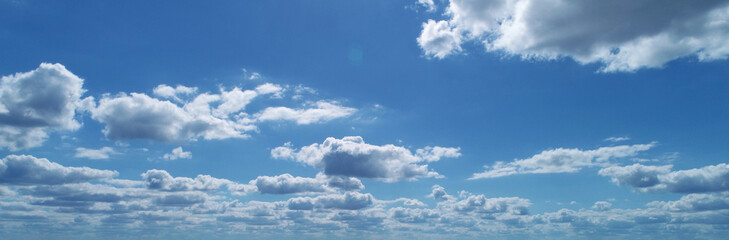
(448, 119)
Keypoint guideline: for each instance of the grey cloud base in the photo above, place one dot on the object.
(622, 36)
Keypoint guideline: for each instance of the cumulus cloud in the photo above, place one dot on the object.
(601, 206)
(695, 202)
(617, 139)
(432, 154)
(713, 178)
(138, 116)
(439, 39)
(36, 102)
(561, 160)
(175, 93)
(162, 180)
(177, 153)
(619, 35)
(321, 112)
(352, 157)
(206, 115)
(27, 170)
(287, 184)
(348, 201)
(429, 5)
(101, 153)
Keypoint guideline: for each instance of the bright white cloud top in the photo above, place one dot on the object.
(619, 35)
(352, 157)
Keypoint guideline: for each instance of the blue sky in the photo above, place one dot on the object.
(429, 119)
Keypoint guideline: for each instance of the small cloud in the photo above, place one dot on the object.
(102, 153)
(616, 139)
(177, 153)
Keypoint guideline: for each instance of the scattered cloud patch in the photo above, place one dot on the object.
(562, 160)
(713, 178)
(101, 153)
(34, 103)
(177, 153)
(322, 111)
(616, 139)
(29, 170)
(352, 157)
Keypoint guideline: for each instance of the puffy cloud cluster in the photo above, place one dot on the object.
(36, 102)
(713, 178)
(352, 157)
(206, 115)
(620, 35)
(562, 160)
(177, 153)
(322, 111)
(29, 170)
(101, 153)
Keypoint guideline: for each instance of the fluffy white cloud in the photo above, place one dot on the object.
(165, 91)
(432, 154)
(287, 184)
(206, 115)
(714, 178)
(601, 206)
(621, 35)
(26, 170)
(348, 200)
(429, 5)
(695, 202)
(439, 39)
(138, 116)
(177, 153)
(321, 112)
(101, 153)
(35, 102)
(351, 156)
(162, 180)
(561, 160)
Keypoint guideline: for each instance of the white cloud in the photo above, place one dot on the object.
(101, 153)
(322, 112)
(439, 39)
(713, 178)
(348, 201)
(162, 180)
(352, 157)
(287, 184)
(165, 91)
(620, 35)
(208, 116)
(177, 153)
(27, 170)
(36, 102)
(616, 139)
(429, 5)
(695, 202)
(601, 206)
(433, 154)
(562, 160)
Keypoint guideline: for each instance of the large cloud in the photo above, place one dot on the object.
(621, 35)
(206, 115)
(27, 170)
(714, 178)
(32, 103)
(562, 160)
(352, 157)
